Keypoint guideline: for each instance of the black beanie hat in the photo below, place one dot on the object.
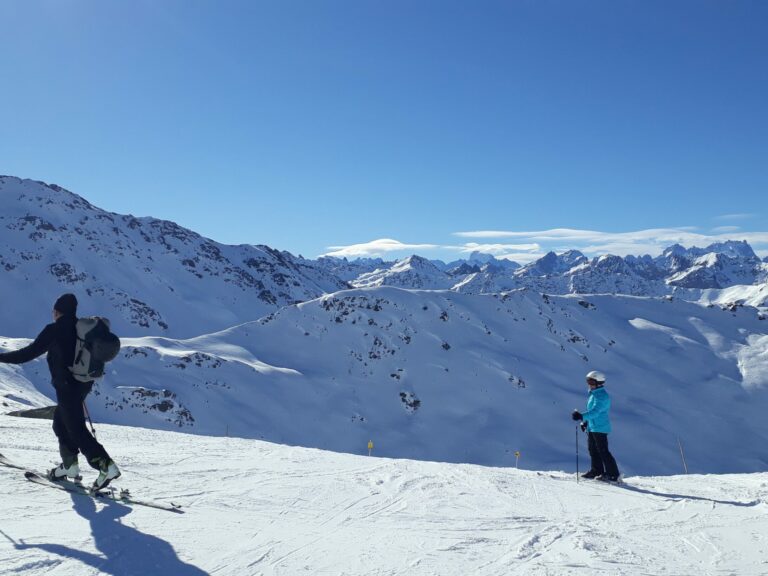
(66, 304)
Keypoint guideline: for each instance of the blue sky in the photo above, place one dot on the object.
(327, 126)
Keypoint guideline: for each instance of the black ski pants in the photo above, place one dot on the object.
(69, 424)
(602, 460)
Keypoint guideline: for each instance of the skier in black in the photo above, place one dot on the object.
(58, 340)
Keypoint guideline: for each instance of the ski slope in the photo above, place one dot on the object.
(256, 508)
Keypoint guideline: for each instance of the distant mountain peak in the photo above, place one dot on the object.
(480, 257)
(732, 249)
(411, 272)
(553, 263)
(675, 250)
(416, 260)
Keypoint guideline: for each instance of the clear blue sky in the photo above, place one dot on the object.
(313, 124)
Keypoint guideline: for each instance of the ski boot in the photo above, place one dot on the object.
(609, 478)
(61, 472)
(591, 474)
(108, 471)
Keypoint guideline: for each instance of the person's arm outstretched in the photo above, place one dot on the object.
(30, 352)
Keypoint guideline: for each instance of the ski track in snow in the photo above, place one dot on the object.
(254, 508)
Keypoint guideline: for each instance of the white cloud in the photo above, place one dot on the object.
(545, 235)
(531, 245)
(742, 216)
(375, 248)
(593, 243)
(498, 249)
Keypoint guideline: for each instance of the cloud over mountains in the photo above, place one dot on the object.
(531, 245)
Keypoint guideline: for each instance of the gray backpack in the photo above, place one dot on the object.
(96, 346)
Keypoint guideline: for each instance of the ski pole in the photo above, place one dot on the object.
(682, 455)
(88, 415)
(11, 540)
(577, 452)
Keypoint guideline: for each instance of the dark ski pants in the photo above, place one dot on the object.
(69, 424)
(602, 460)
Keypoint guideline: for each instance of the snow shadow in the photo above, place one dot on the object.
(688, 497)
(124, 550)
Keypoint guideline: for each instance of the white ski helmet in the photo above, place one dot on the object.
(596, 376)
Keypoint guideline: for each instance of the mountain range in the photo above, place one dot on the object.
(684, 272)
(142, 268)
(414, 355)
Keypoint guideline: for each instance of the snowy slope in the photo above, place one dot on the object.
(450, 377)
(756, 296)
(148, 276)
(254, 508)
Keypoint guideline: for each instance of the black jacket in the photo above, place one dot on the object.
(59, 340)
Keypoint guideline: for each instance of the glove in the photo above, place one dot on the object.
(576, 415)
(583, 425)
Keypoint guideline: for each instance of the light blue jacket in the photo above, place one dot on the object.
(598, 405)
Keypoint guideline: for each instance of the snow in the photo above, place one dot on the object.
(255, 508)
(753, 362)
(135, 271)
(411, 272)
(756, 295)
(449, 377)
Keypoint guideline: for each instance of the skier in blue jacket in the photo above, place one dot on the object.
(595, 421)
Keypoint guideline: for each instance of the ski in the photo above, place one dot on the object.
(5, 462)
(598, 480)
(123, 496)
(618, 482)
(570, 478)
(110, 493)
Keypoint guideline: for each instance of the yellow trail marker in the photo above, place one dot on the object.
(370, 446)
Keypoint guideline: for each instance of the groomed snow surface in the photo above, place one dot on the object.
(255, 508)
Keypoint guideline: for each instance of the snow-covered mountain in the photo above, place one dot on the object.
(477, 260)
(553, 264)
(253, 342)
(412, 272)
(567, 273)
(348, 270)
(451, 377)
(720, 265)
(256, 508)
(615, 275)
(716, 270)
(148, 276)
(684, 272)
(155, 277)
